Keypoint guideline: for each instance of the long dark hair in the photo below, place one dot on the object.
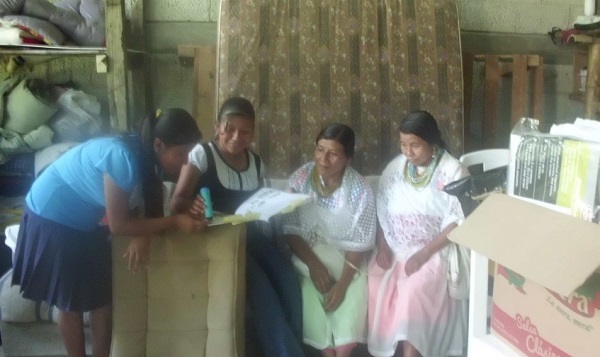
(341, 133)
(173, 127)
(236, 106)
(423, 125)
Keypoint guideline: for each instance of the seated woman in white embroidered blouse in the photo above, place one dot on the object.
(408, 290)
(329, 238)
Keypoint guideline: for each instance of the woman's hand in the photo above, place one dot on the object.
(138, 254)
(415, 262)
(320, 276)
(335, 296)
(197, 209)
(384, 256)
(190, 224)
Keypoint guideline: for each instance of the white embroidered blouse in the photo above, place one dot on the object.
(412, 217)
(346, 219)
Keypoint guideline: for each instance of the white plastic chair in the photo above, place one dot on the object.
(480, 342)
(490, 158)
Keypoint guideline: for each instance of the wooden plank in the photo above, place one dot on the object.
(141, 83)
(203, 102)
(593, 82)
(186, 51)
(468, 59)
(519, 88)
(532, 60)
(538, 91)
(117, 71)
(196, 85)
(512, 43)
(490, 100)
(54, 52)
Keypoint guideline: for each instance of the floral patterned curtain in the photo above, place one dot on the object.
(365, 63)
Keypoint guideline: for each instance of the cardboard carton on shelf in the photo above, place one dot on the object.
(546, 295)
(546, 298)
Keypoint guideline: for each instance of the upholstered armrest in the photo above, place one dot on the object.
(191, 298)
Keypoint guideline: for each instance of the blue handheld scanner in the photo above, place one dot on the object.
(208, 209)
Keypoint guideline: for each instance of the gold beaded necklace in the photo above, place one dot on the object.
(319, 185)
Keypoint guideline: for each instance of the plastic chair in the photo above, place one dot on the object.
(489, 158)
(482, 271)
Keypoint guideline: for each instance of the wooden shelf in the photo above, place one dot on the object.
(51, 51)
(111, 59)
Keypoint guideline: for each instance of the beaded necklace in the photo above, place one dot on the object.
(419, 181)
(320, 187)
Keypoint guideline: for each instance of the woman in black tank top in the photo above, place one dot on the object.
(233, 173)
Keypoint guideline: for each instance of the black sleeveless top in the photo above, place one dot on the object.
(224, 199)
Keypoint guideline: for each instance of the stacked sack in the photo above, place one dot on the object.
(33, 111)
(79, 22)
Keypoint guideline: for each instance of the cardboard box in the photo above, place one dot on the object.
(556, 172)
(547, 299)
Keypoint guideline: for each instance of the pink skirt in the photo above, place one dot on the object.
(417, 309)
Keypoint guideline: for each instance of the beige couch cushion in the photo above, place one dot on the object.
(190, 301)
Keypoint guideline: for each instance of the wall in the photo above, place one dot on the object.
(521, 26)
(488, 26)
(168, 24)
(518, 16)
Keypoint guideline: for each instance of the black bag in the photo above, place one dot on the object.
(471, 189)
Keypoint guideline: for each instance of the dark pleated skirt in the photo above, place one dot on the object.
(62, 266)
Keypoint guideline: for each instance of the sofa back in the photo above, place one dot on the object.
(190, 300)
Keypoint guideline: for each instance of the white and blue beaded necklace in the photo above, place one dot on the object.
(418, 181)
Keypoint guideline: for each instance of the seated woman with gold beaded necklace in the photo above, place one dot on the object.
(330, 238)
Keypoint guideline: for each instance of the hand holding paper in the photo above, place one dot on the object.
(264, 204)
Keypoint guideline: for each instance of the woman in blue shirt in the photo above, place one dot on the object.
(63, 254)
